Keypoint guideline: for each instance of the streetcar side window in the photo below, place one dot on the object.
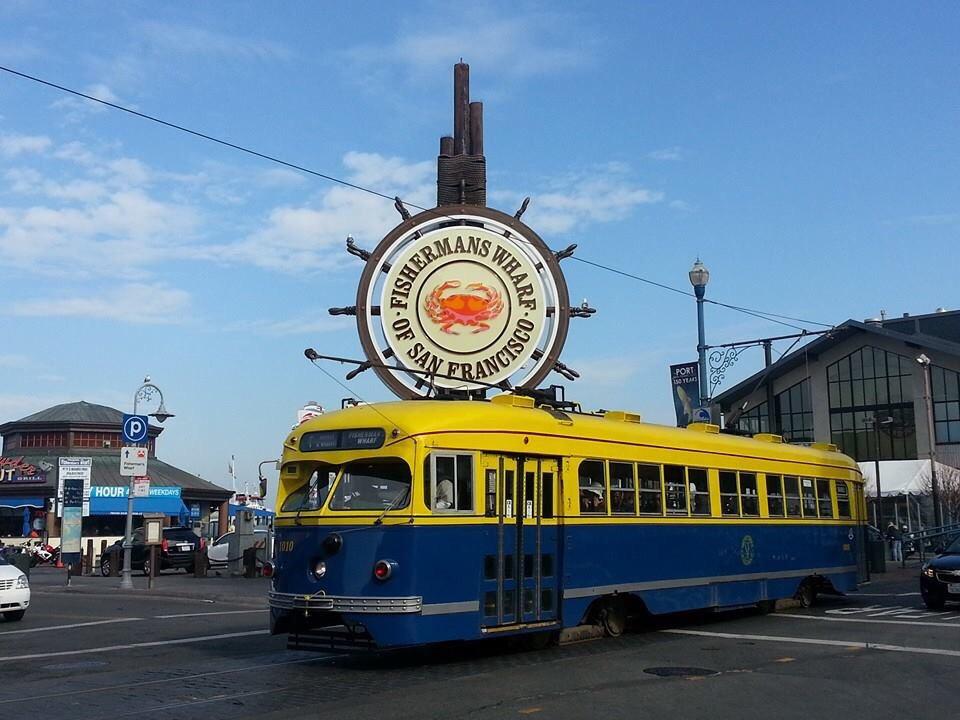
(623, 496)
(451, 483)
(824, 502)
(593, 497)
(699, 492)
(774, 496)
(674, 478)
(749, 501)
(809, 496)
(729, 499)
(843, 498)
(791, 488)
(651, 492)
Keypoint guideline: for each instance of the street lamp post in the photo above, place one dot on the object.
(699, 276)
(878, 506)
(145, 391)
(931, 427)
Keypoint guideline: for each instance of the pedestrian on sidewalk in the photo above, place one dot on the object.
(895, 541)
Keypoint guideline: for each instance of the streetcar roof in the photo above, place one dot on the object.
(430, 417)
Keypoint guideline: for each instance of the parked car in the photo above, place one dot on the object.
(14, 591)
(219, 552)
(940, 578)
(177, 550)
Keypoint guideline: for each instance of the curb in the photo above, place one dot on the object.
(161, 593)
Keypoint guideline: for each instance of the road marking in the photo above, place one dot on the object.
(850, 644)
(133, 646)
(863, 594)
(205, 614)
(925, 623)
(142, 683)
(67, 627)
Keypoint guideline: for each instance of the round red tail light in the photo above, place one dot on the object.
(268, 569)
(383, 569)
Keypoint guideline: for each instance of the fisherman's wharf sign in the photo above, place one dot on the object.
(465, 297)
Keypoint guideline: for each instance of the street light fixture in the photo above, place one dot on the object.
(145, 392)
(699, 277)
(877, 421)
(931, 427)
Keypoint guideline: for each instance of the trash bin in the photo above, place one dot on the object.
(877, 555)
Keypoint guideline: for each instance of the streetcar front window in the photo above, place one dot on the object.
(373, 485)
(312, 494)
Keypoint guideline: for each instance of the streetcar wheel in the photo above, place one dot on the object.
(613, 618)
(807, 594)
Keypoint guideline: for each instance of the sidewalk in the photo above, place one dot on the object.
(213, 588)
(896, 579)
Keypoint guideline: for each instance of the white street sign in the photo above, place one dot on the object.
(141, 486)
(133, 461)
(74, 468)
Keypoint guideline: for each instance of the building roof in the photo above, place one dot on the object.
(76, 413)
(905, 330)
(105, 470)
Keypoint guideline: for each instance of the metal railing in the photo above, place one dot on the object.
(921, 539)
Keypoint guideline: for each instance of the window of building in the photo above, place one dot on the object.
(946, 405)
(824, 502)
(867, 384)
(593, 496)
(699, 491)
(749, 500)
(97, 440)
(794, 410)
(623, 496)
(729, 497)
(755, 420)
(843, 498)
(651, 493)
(43, 439)
(808, 495)
(791, 493)
(774, 496)
(675, 482)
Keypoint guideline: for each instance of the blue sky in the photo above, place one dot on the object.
(806, 151)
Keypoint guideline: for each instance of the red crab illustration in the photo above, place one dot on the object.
(472, 309)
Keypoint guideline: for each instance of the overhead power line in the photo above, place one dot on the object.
(770, 317)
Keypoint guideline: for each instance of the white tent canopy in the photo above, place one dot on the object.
(900, 477)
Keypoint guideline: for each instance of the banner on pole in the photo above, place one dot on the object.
(685, 386)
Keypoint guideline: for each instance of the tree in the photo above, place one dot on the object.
(948, 484)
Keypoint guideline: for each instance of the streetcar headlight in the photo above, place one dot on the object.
(383, 569)
(320, 569)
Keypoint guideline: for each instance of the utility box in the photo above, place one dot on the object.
(877, 556)
(241, 540)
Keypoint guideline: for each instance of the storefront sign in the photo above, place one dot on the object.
(112, 500)
(121, 491)
(16, 471)
(685, 386)
(465, 304)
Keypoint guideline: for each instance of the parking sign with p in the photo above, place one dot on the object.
(134, 428)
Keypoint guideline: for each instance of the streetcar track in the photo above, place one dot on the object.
(179, 678)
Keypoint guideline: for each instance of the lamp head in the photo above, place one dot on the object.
(162, 414)
(923, 360)
(699, 275)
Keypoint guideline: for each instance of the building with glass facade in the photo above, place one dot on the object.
(861, 387)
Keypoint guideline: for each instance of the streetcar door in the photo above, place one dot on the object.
(539, 539)
(498, 593)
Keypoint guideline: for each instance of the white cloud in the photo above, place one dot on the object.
(317, 322)
(602, 195)
(12, 144)
(155, 304)
(166, 38)
(76, 108)
(14, 361)
(670, 153)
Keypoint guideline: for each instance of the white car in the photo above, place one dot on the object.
(14, 591)
(219, 551)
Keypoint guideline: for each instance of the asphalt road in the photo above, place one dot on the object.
(102, 654)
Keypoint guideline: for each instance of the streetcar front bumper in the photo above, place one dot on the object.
(344, 604)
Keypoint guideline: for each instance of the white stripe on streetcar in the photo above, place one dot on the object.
(853, 644)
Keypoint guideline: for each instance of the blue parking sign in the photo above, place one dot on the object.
(135, 428)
